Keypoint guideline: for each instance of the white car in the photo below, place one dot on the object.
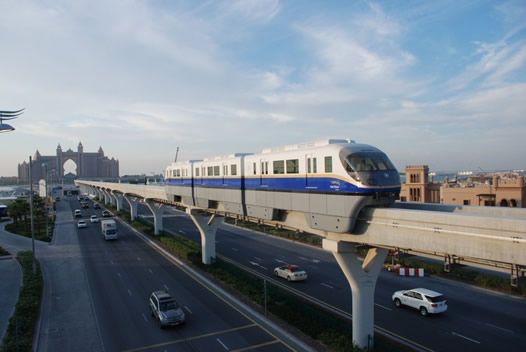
(94, 218)
(81, 224)
(290, 272)
(426, 301)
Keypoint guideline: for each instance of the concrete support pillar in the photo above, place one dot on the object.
(107, 198)
(117, 197)
(362, 276)
(157, 211)
(99, 195)
(207, 226)
(133, 206)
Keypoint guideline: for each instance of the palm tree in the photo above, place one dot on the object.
(18, 210)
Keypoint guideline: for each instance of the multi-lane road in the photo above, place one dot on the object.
(477, 319)
(123, 273)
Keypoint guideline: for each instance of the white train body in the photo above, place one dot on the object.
(329, 182)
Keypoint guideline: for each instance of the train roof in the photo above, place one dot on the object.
(300, 146)
(229, 156)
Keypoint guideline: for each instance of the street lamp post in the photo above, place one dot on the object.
(31, 213)
(46, 200)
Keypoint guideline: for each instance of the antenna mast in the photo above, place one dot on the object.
(176, 153)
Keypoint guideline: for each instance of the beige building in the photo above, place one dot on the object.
(504, 189)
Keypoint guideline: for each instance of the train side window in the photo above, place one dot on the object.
(266, 167)
(233, 169)
(309, 165)
(328, 164)
(293, 166)
(197, 172)
(210, 171)
(314, 168)
(279, 167)
(216, 170)
(254, 168)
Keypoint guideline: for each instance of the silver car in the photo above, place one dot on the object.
(290, 272)
(165, 309)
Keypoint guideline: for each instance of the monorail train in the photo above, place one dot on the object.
(329, 182)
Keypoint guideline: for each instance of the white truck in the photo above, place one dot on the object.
(109, 229)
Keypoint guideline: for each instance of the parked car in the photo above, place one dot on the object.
(78, 213)
(426, 301)
(82, 224)
(165, 309)
(94, 218)
(106, 214)
(96, 206)
(290, 272)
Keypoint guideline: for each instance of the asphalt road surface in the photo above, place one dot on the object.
(123, 273)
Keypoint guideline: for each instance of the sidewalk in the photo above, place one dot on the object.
(67, 318)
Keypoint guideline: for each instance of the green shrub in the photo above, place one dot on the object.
(21, 328)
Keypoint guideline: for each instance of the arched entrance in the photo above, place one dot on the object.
(513, 203)
(504, 203)
(69, 168)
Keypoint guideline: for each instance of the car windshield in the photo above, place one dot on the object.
(436, 299)
(169, 305)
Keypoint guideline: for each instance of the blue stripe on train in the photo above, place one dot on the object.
(314, 184)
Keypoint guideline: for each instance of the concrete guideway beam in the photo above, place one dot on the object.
(157, 211)
(132, 201)
(207, 226)
(463, 235)
(362, 276)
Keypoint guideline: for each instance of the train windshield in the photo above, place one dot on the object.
(368, 161)
(371, 168)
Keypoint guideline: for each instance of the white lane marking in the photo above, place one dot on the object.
(326, 285)
(280, 261)
(257, 264)
(150, 270)
(498, 327)
(166, 287)
(258, 259)
(383, 307)
(235, 249)
(188, 309)
(144, 317)
(465, 337)
(303, 258)
(316, 261)
(222, 344)
(129, 292)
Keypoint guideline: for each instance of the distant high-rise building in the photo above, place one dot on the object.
(87, 165)
(497, 189)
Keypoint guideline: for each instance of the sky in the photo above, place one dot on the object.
(441, 83)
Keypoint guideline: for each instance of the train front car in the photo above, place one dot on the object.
(371, 172)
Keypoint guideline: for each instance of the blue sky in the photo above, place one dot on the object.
(435, 82)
